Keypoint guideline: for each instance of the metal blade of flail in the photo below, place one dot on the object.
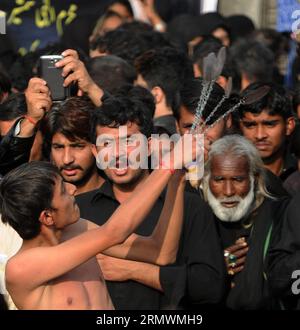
(212, 68)
(228, 87)
(254, 96)
(209, 62)
(220, 61)
(249, 98)
(225, 96)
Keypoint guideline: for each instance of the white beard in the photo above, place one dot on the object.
(232, 214)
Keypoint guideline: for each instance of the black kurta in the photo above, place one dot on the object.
(251, 289)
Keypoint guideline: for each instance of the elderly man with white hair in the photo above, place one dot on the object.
(246, 215)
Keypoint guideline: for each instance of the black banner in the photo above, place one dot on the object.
(34, 24)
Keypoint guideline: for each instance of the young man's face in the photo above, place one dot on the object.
(120, 172)
(65, 210)
(267, 132)
(74, 159)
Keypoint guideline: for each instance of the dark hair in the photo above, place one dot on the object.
(136, 26)
(184, 28)
(111, 72)
(296, 97)
(5, 84)
(132, 104)
(190, 94)
(295, 142)
(213, 21)
(125, 3)
(276, 102)
(13, 107)
(70, 118)
(210, 44)
(166, 68)
(240, 26)
(127, 45)
(253, 59)
(24, 193)
(272, 39)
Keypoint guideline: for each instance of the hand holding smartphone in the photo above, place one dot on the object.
(53, 76)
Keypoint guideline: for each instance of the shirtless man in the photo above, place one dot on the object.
(55, 267)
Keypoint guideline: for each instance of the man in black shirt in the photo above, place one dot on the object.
(137, 285)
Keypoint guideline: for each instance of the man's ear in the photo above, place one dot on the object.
(197, 71)
(158, 94)
(177, 126)
(222, 81)
(228, 121)
(46, 218)
(149, 146)
(94, 150)
(290, 126)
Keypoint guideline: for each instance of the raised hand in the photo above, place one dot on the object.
(38, 99)
(74, 70)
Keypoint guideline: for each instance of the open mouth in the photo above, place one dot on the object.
(229, 204)
(70, 172)
(121, 171)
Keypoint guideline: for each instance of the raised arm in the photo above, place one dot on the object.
(39, 265)
(161, 247)
(65, 256)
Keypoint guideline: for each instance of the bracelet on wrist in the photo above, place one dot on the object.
(31, 120)
(163, 165)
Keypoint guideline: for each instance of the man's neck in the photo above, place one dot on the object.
(161, 111)
(276, 166)
(123, 192)
(94, 182)
(47, 237)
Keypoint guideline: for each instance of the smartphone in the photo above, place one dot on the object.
(52, 75)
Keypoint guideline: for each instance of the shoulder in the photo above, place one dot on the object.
(278, 202)
(17, 265)
(197, 212)
(194, 203)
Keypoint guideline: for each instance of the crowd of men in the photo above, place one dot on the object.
(79, 235)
